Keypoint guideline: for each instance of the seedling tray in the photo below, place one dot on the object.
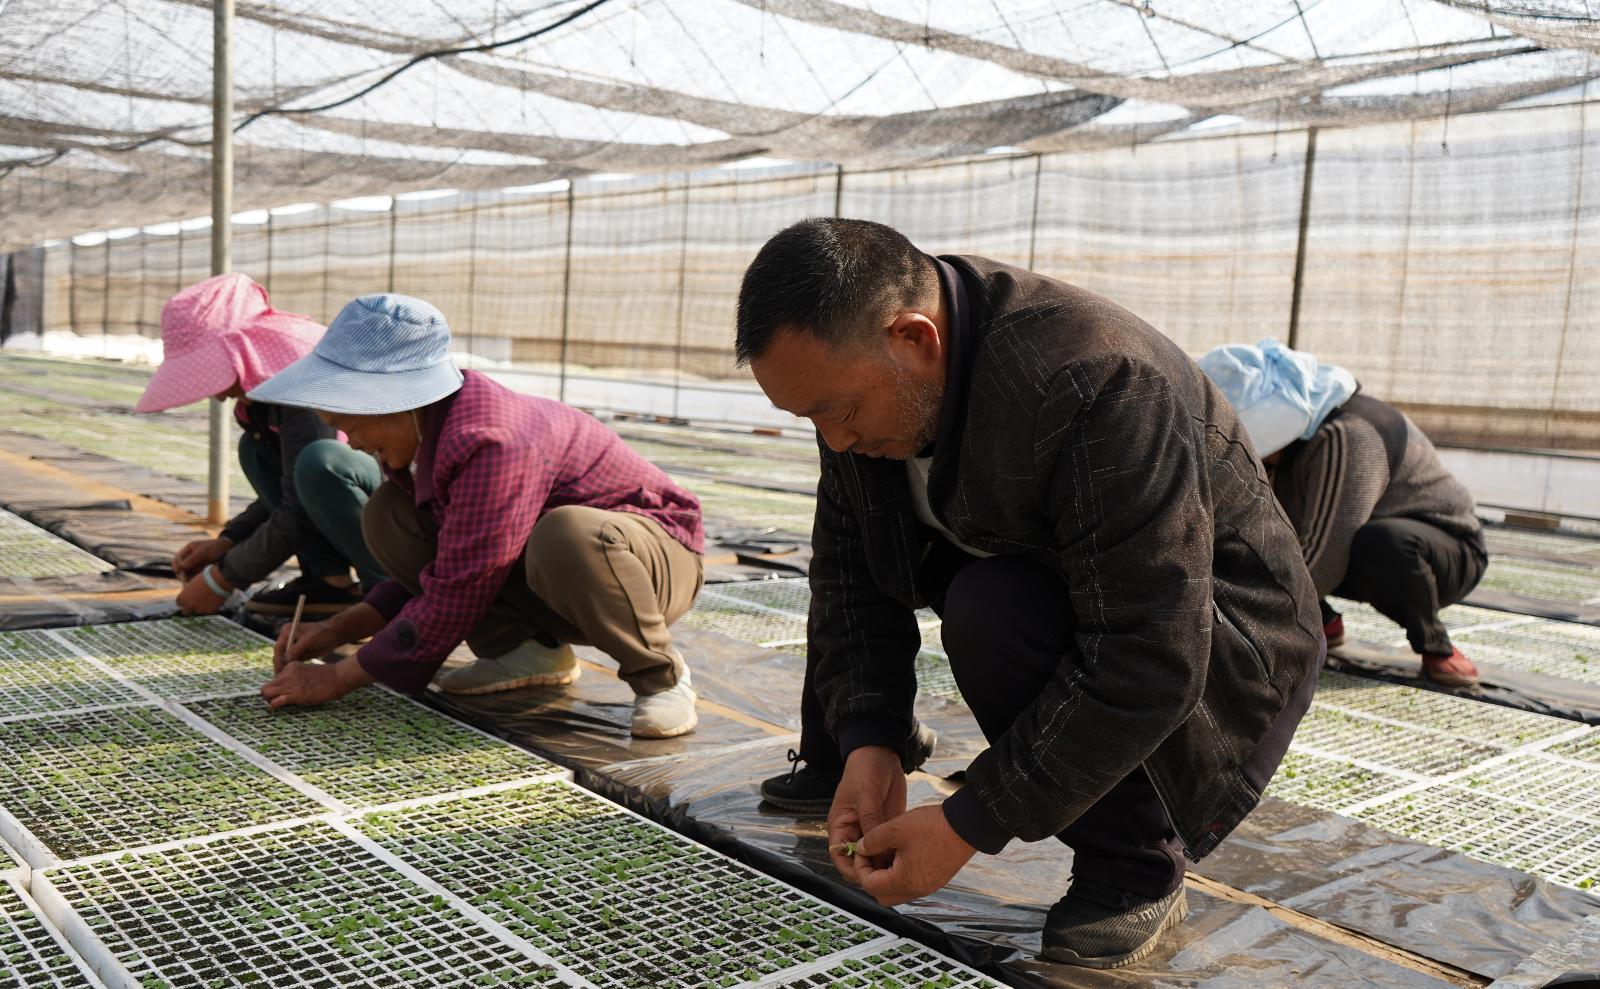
(1363, 622)
(902, 965)
(1538, 579)
(1384, 746)
(32, 954)
(1544, 842)
(39, 675)
(372, 747)
(29, 551)
(1467, 719)
(78, 784)
(304, 906)
(1330, 784)
(1577, 549)
(1536, 645)
(773, 614)
(178, 658)
(620, 901)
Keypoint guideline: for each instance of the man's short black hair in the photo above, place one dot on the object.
(832, 278)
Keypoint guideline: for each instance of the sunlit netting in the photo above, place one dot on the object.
(1153, 151)
(107, 119)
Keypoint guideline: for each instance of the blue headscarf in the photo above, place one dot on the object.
(1280, 395)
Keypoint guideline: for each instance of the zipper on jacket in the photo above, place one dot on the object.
(1255, 654)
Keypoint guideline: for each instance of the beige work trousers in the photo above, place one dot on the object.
(612, 580)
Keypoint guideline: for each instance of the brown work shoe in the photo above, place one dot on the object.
(1454, 670)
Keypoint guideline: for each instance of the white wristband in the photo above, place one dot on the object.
(211, 582)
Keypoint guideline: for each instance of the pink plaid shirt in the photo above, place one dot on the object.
(491, 464)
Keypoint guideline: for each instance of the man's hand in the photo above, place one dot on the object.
(304, 683)
(872, 791)
(187, 561)
(923, 851)
(197, 598)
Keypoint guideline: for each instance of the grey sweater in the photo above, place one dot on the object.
(1368, 461)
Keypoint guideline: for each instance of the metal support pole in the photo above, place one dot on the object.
(566, 293)
(221, 230)
(1033, 219)
(683, 288)
(1300, 247)
(838, 189)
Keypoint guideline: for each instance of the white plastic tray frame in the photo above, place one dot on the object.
(29, 551)
(698, 888)
(76, 799)
(902, 965)
(772, 614)
(618, 899)
(39, 675)
(1467, 719)
(158, 918)
(1569, 583)
(1568, 650)
(38, 855)
(383, 748)
(178, 659)
(33, 954)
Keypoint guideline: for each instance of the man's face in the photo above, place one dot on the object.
(880, 402)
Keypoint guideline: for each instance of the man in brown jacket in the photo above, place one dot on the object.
(1125, 606)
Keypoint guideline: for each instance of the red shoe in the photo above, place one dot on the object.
(1454, 670)
(1334, 632)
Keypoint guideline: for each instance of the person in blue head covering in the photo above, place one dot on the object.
(1380, 520)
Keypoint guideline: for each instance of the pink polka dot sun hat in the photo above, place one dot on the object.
(219, 331)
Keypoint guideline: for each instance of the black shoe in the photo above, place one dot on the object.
(322, 598)
(1098, 926)
(804, 790)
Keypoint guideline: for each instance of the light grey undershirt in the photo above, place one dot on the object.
(917, 470)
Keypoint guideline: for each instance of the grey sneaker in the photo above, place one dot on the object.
(528, 665)
(1097, 926)
(666, 714)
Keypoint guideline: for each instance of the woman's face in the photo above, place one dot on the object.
(392, 438)
(234, 390)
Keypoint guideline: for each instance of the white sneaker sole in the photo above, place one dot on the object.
(672, 732)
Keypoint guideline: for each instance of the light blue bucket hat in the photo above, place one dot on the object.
(382, 353)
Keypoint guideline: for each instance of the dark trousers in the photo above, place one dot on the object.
(1409, 570)
(333, 483)
(1007, 631)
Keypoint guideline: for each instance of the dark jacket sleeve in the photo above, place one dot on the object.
(284, 530)
(244, 525)
(1117, 461)
(862, 641)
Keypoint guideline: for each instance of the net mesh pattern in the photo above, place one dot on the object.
(304, 907)
(620, 902)
(98, 781)
(372, 747)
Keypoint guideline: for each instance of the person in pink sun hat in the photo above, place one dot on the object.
(222, 338)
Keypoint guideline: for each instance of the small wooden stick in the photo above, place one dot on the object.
(294, 625)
